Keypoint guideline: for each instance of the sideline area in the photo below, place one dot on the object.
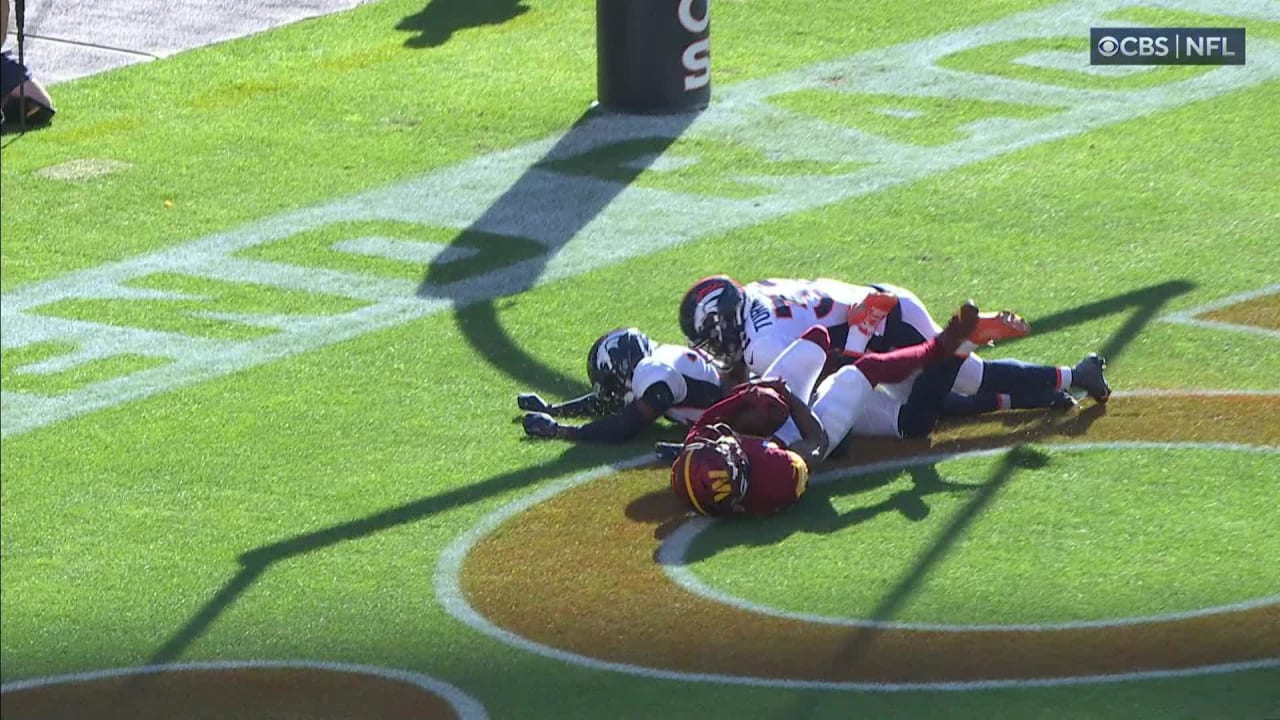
(69, 39)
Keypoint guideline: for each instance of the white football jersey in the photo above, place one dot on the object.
(694, 381)
(779, 311)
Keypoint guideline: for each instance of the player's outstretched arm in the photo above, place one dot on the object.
(589, 405)
(617, 428)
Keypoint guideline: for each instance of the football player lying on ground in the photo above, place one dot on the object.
(634, 382)
(751, 452)
(745, 328)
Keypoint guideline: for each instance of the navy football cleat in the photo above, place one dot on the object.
(1088, 376)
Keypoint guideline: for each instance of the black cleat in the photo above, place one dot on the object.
(1062, 400)
(1088, 376)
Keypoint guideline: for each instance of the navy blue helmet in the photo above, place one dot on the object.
(612, 361)
(712, 317)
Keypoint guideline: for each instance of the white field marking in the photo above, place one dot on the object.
(674, 549)
(1077, 61)
(660, 163)
(901, 113)
(448, 588)
(1191, 317)
(463, 704)
(586, 223)
(405, 250)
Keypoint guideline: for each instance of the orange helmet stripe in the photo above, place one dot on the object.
(688, 483)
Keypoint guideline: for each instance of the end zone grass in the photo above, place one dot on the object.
(298, 509)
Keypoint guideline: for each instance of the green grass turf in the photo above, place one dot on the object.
(1071, 540)
(121, 527)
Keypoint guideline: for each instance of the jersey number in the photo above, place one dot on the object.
(822, 303)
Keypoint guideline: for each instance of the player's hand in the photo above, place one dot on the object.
(532, 402)
(540, 425)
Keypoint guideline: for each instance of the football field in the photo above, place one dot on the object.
(267, 305)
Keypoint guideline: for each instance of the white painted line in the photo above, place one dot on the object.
(448, 588)
(413, 251)
(1077, 61)
(514, 193)
(1190, 316)
(463, 704)
(674, 549)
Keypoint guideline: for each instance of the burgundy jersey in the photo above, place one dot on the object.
(777, 476)
(747, 408)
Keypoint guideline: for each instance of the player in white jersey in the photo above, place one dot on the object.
(846, 401)
(779, 311)
(747, 327)
(634, 382)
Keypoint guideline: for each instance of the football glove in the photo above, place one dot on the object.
(532, 402)
(540, 425)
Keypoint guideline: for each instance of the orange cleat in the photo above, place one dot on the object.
(1003, 325)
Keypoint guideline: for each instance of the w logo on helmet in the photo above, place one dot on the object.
(720, 487)
(710, 476)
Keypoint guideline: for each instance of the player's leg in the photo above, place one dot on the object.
(799, 365)
(1028, 384)
(957, 405)
(928, 397)
(841, 398)
(839, 403)
(897, 365)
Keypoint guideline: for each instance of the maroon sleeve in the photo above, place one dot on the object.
(748, 409)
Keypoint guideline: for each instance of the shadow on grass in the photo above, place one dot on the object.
(440, 19)
(859, 645)
(818, 515)
(548, 206)
(483, 330)
(553, 206)
(256, 562)
(1145, 305)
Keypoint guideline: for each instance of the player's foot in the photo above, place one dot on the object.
(1088, 376)
(1062, 400)
(1051, 399)
(1002, 325)
(874, 308)
(667, 452)
(959, 328)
